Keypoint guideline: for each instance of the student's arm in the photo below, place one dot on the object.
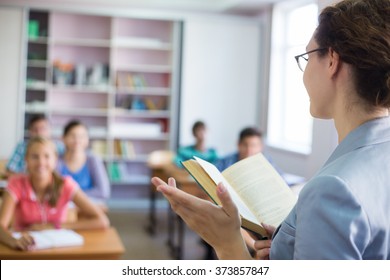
(16, 161)
(6, 213)
(93, 216)
(102, 188)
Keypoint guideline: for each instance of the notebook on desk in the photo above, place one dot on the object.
(3, 184)
(54, 238)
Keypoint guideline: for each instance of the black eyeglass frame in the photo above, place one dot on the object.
(307, 59)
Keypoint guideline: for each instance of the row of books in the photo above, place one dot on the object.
(118, 172)
(122, 148)
(135, 81)
(141, 103)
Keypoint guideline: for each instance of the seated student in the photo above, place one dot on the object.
(38, 126)
(250, 142)
(39, 199)
(81, 164)
(199, 149)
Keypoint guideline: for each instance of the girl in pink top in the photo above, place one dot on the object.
(39, 199)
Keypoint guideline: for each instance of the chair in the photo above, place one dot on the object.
(157, 161)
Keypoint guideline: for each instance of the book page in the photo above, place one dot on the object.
(217, 177)
(262, 189)
(52, 238)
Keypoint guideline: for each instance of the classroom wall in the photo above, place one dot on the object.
(219, 79)
(10, 50)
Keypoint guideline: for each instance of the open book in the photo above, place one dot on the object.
(257, 189)
(53, 238)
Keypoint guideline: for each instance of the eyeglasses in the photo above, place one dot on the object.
(302, 60)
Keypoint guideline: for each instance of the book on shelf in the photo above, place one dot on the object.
(130, 81)
(117, 148)
(150, 104)
(99, 147)
(259, 192)
(139, 82)
(129, 150)
(53, 238)
(114, 172)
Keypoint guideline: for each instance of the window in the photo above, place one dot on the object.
(289, 120)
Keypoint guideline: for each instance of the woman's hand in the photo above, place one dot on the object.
(219, 226)
(263, 247)
(25, 242)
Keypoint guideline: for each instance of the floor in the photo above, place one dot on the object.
(129, 214)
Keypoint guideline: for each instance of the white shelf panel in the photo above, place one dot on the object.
(161, 137)
(37, 63)
(38, 85)
(79, 42)
(38, 40)
(141, 113)
(58, 131)
(79, 112)
(35, 111)
(153, 91)
(103, 89)
(140, 43)
(143, 68)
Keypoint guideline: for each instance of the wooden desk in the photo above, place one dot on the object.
(102, 244)
(3, 185)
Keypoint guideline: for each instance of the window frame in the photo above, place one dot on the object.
(277, 103)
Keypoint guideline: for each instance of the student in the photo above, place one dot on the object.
(81, 164)
(199, 149)
(38, 199)
(37, 126)
(250, 142)
(343, 211)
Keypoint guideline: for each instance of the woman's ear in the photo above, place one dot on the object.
(334, 62)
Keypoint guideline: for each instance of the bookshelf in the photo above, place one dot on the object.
(117, 75)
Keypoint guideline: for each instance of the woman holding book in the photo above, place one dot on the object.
(39, 199)
(342, 212)
(81, 164)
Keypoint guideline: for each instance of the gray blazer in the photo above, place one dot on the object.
(344, 211)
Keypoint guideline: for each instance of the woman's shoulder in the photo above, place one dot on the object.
(69, 182)
(17, 179)
(18, 184)
(92, 156)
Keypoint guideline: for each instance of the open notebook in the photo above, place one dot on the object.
(52, 238)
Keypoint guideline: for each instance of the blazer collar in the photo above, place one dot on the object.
(372, 132)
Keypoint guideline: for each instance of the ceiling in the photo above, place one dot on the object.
(209, 6)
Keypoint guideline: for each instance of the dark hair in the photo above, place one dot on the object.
(34, 119)
(55, 190)
(70, 125)
(198, 125)
(249, 132)
(359, 31)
